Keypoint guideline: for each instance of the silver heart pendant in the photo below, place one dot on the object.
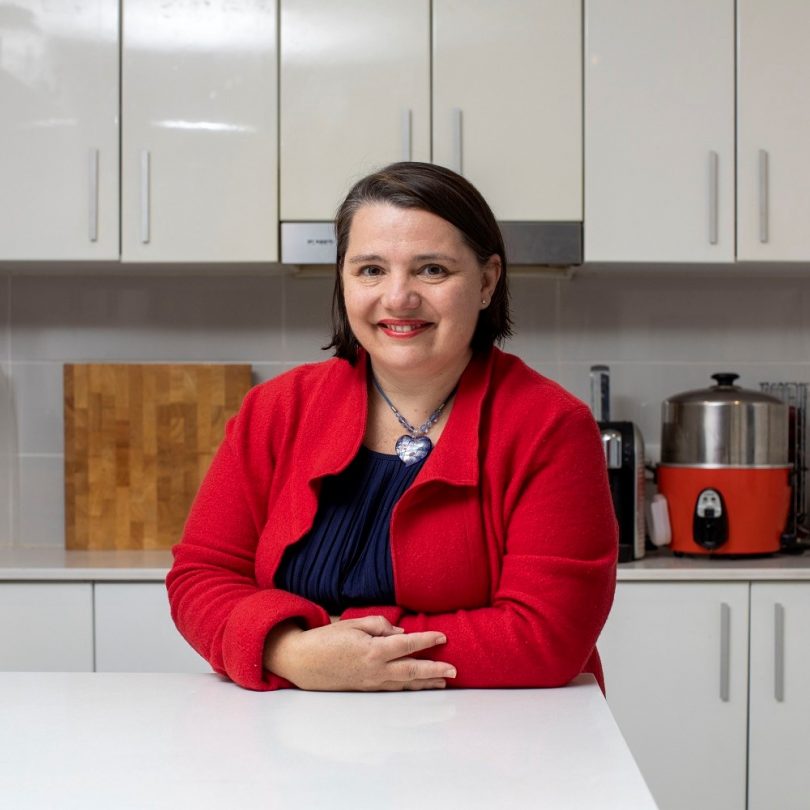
(411, 449)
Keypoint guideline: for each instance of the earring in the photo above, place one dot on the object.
(484, 301)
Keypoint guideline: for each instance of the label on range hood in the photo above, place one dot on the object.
(308, 243)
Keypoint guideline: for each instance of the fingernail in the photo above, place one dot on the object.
(441, 640)
(399, 629)
(450, 673)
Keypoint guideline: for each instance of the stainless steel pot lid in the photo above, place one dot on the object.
(724, 426)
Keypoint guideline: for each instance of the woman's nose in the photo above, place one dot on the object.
(401, 294)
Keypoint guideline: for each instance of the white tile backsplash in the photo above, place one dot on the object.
(175, 318)
(39, 518)
(37, 404)
(660, 334)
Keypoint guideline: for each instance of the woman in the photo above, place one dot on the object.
(421, 510)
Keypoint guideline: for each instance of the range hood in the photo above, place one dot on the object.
(555, 244)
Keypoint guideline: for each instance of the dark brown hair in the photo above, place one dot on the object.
(448, 195)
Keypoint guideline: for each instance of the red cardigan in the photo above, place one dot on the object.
(506, 541)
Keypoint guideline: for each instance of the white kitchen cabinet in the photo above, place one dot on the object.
(46, 626)
(773, 130)
(507, 103)
(659, 131)
(59, 130)
(134, 631)
(779, 709)
(355, 96)
(199, 132)
(675, 657)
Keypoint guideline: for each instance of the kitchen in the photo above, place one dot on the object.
(660, 298)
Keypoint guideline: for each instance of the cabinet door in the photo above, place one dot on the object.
(779, 722)
(59, 130)
(659, 131)
(773, 130)
(199, 156)
(46, 627)
(135, 632)
(676, 661)
(355, 96)
(507, 102)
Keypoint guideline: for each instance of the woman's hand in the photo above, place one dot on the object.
(367, 655)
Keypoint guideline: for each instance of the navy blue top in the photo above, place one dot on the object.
(345, 559)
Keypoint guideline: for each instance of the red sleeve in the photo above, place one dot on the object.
(215, 600)
(557, 577)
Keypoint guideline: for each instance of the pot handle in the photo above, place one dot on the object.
(725, 378)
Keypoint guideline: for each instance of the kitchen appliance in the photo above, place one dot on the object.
(724, 470)
(624, 454)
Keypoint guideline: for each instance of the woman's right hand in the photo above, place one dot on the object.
(367, 655)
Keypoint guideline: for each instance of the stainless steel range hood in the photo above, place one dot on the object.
(555, 244)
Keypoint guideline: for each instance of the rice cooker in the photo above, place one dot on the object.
(724, 470)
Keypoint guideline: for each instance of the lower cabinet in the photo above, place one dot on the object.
(708, 682)
(675, 657)
(85, 626)
(779, 707)
(46, 627)
(134, 631)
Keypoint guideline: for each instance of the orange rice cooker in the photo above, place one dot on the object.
(724, 470)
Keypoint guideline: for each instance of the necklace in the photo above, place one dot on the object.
(415, 445)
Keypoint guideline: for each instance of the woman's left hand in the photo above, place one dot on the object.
(367, 654)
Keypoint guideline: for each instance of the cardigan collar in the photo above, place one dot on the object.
(338, 413)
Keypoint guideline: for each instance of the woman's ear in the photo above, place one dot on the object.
(490, 273)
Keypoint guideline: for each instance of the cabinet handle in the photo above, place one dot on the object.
(714, 179)
(93, 210)
(779, 652)
(725, 652)
(407, 145)
(458, 142)
(145, 193)
(763, 196)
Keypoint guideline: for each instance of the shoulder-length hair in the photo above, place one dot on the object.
(448, 195)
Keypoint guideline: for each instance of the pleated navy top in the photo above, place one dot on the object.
(345, 559)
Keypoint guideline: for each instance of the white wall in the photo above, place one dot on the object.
(659, 332)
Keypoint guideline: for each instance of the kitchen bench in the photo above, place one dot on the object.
(89, 740)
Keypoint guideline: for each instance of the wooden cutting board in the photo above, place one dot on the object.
(138, 441)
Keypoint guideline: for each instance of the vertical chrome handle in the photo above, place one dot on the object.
(714, 179)
(93, 210)
(779, 652)
(725, 652)
(763, 196)
(458, 142)
(407, 138)
(145, 193)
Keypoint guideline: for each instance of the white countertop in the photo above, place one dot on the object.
(42, 564)
(127, 741)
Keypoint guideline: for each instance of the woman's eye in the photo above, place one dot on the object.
(434, 271)
(370, 270)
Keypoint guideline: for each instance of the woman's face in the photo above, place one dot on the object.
(413, 290)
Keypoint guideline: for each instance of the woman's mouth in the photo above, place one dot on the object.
(403, 329)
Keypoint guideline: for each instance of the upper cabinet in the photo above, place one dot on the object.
(659, 131)
(199, 137)
(505, 82)
(355, 96)
(507, 103)
(59, 130)
(773, 130)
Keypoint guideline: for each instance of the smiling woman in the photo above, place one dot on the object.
(421, 510)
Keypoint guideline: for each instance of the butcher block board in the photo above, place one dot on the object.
(138, 441)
